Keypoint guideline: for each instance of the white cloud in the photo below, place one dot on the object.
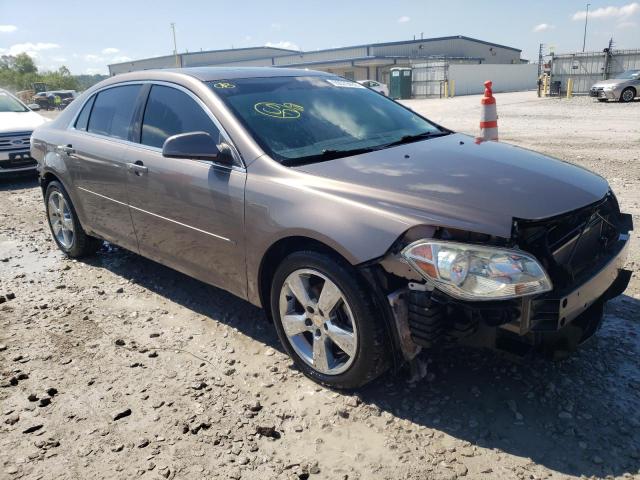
(404, 19)
(609, 12)
(542, 27)
(276, 26)
(109, 51)
(120, 59)
(31, 49)
(283, 44)
(8, 28)
(625, 25)
(94, 71)
(90, 57)
(59, 59)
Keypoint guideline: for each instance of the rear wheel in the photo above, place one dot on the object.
(326, 320)
(65, 226)
(627, 95)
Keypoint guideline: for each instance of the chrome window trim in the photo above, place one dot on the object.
(227, 138)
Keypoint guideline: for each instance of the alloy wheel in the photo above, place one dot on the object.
(627, 95)
(318, 321)
(61, 219)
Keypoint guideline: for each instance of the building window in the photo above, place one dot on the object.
(350, 75)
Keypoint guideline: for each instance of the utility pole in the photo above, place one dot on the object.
(175, 48)
(540, 59)
(586, 19)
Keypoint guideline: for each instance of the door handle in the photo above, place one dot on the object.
(67, 149)
(137, 168)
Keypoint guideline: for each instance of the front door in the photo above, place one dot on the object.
(188, 214)
(97, 153)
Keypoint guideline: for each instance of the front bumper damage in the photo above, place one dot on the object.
(554, 323)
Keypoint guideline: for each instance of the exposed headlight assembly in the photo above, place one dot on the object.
(475, 272)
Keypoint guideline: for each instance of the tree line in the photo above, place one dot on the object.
(18, 72)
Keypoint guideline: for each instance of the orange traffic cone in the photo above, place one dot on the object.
(488, 115)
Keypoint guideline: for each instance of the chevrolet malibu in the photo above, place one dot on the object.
(365, 231)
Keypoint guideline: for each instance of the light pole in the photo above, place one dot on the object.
(586, 19)
(175, 48)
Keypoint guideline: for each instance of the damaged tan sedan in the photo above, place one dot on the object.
(363, 229)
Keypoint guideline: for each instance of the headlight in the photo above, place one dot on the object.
(474, 272)
(608, 88)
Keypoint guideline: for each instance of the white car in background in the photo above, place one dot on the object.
(17, 122)
(377, 86)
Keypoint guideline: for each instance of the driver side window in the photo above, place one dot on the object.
(170, 112)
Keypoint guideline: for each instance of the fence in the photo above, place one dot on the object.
(590, 67)
(469, 76)
(469, 79)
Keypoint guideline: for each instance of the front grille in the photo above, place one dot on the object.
(14, 141)
(571, 246)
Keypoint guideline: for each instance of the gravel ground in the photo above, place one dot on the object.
(116, 367)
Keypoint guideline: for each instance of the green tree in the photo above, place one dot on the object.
(24, 64)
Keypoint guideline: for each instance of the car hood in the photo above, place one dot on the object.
(613, 81)
(452, 181)
(20, 121)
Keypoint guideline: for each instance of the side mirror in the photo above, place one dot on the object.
(34, 106)
(196, 145)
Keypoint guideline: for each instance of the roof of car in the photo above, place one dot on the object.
(207, 74)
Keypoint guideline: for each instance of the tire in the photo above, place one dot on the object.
(352, 321)
(64, 224)
(627, 95)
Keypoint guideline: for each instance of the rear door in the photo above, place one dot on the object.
(96, 152)
(188, 214)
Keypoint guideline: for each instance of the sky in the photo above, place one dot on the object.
(87, 35)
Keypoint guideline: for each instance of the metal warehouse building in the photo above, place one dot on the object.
(371, 61)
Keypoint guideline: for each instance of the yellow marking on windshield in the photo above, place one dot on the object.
(279, 110)
(223, 85)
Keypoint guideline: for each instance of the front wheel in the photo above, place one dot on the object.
(627, 95)
(327, 322)
(65, 226)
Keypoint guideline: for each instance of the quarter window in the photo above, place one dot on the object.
(170, 112)
(113, 111)
(83, 118)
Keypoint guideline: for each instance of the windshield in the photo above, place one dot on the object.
(298, 119)
(629, 75)
(10, 104)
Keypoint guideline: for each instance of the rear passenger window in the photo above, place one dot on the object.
(170, 112)
(113, 110)
(83, 118)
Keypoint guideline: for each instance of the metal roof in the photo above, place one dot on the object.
(207, 74)
(296, 52)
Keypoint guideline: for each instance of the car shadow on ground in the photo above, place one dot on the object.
(556, 414)
(18, 182)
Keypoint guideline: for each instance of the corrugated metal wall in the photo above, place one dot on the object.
(198, 59)
(451, 47)
(322, 56)
(385, 54)
(168, 61)
(589, 67)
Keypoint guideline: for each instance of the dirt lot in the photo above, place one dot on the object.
(116, 367)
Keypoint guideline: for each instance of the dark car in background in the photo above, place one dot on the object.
(363, 229)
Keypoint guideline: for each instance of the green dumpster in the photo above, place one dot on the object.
(400, 83)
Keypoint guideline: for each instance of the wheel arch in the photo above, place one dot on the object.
(630, 87)
(277, 252)
(283, 247)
